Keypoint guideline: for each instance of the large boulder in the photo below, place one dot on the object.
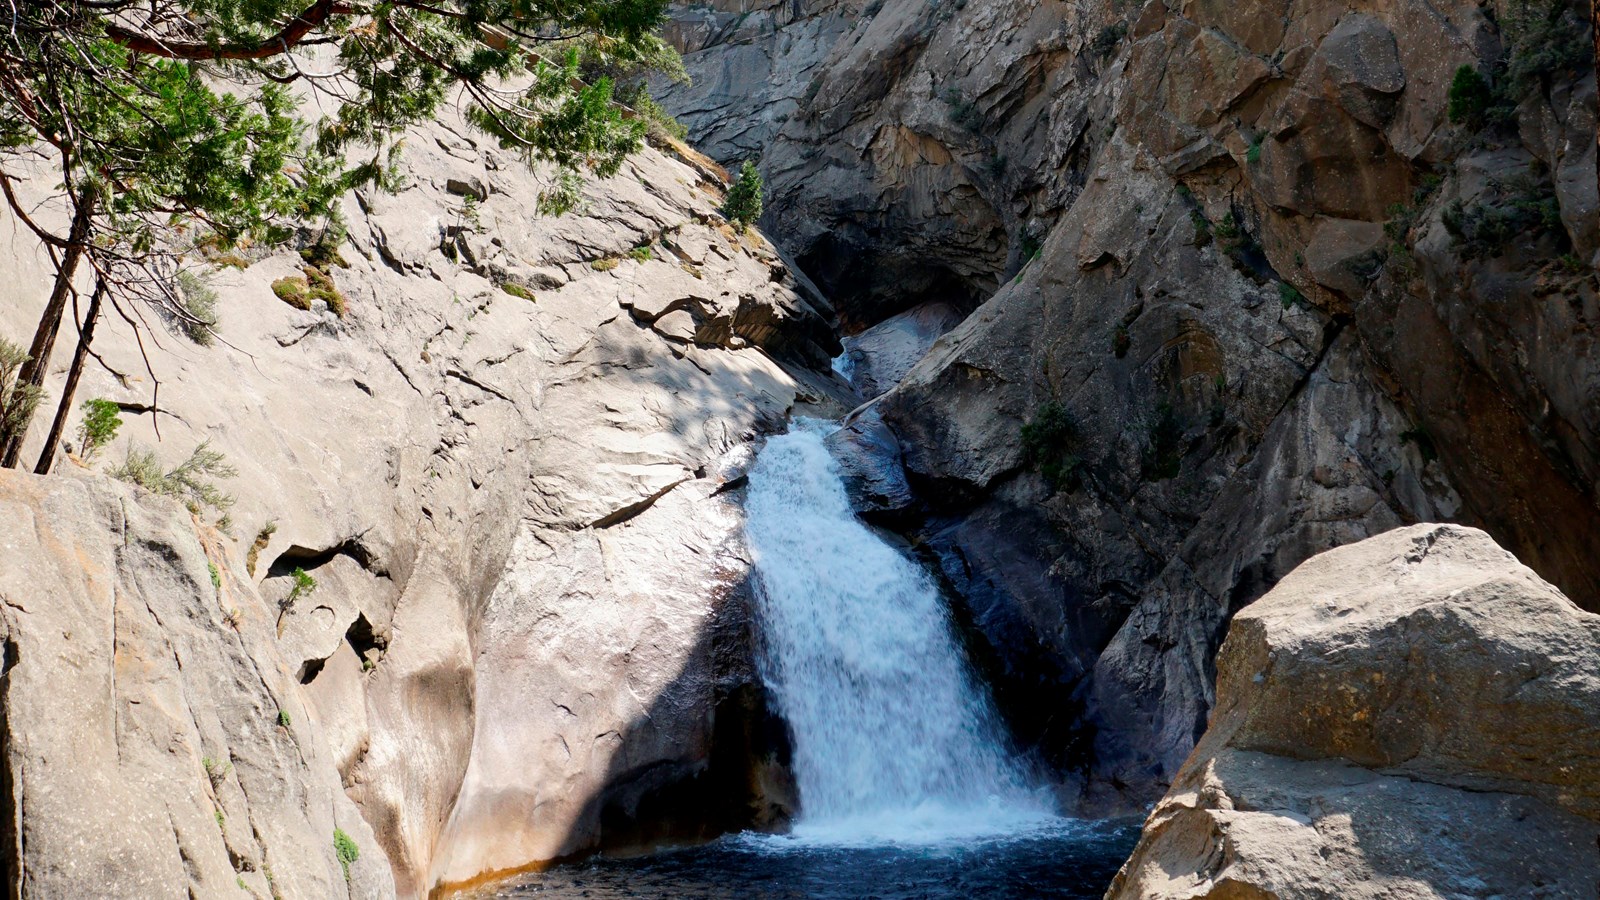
(1413, 716)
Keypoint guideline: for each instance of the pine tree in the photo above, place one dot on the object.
(743, 203)
(176, 122)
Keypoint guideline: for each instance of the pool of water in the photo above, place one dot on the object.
(1066, 860)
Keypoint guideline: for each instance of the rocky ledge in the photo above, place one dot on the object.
(1416, 715)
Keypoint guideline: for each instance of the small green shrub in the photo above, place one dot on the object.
(963, 111)
(199, 317)
(1253, 154)
(216, 575)
(345, 848)
(1048, 444)
(1470, 96)
(101, 419)
(16, 404)
(294, 291)
(604, 264)
(1290, 295)
(1107, 39)
(565, 196)
(190, 481)
(1121, 341)
(324, 251)
(283, 718)
(641, 253)
(517, 290)
(320, 286)
(742, 206)
(304, 585)
(661, 126)
(1202, 228)
(1163, 454)
(259, 544)
(1520, 207)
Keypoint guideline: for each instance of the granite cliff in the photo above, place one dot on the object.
(484, 553)
(1237, 290)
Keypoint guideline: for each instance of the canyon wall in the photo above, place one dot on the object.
(1252, 291)
(485, 551)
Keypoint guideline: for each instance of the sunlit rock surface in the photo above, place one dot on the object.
(507, 469)
(1414, 715)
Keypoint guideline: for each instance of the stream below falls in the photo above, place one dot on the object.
(908, 786)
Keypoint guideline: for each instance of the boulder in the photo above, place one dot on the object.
(1413, 716)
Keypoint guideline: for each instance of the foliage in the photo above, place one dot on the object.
(198, 318)
(315, 284)
(259, 544)
(304, 585)
(1048, 443)
(517, 290)
(1470, 96)
(17, 402)
(743, 203)
(294, 291)
(346, 850)
(641, 253)
(283, 718)
(1543, 39)
(1107, 39)
(563, 197)
(320, 286)
(189, 481)
(216, 575)
(101, 420)
(604, 263)
(233, 122)
(662, 126)
(1289, 295)
(1163, 452)
(1523, 206)
(963, 111)
(1253, 154)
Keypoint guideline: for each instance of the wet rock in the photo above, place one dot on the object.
(868, 455)
(882, 355)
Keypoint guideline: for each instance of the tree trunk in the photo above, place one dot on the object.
(64, 406)
(44, 337)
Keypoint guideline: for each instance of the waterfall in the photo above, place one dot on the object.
(894, 738)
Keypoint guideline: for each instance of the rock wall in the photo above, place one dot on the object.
(1228, 281)
(1382, 716)
(511, 468)
(155, 743)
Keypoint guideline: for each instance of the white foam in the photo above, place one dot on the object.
(895, 742)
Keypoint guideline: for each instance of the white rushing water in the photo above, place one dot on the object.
(895, 741)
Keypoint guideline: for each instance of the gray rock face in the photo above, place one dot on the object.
(1216, 239)
(1382, 715)
(156, 741)
(506, 469)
